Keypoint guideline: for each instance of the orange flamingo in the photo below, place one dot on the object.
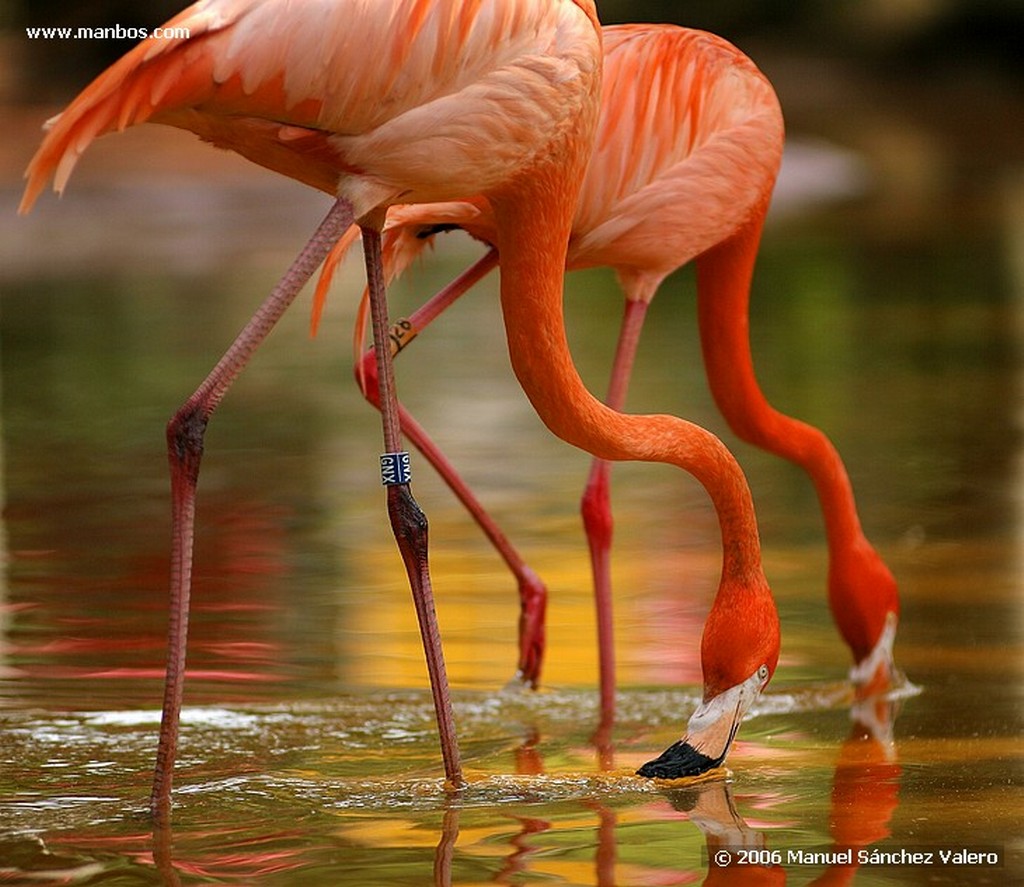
(460, 98)
(688, 149)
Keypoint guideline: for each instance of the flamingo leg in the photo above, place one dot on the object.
(185, 433)
(595, 508)
(533, 594)
(408, 522)
(430, 310)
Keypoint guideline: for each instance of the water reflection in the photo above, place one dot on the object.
(864, 797)
(312, 802)
(543, 822)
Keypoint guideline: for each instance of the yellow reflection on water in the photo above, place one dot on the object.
(658, 631)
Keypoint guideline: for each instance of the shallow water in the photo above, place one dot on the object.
(309, 753)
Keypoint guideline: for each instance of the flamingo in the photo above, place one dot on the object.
(458, 98)
(688, 149)
(681, 109)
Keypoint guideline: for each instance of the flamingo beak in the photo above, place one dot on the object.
(877, 672)
(709, 733)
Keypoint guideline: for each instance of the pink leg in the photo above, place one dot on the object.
(408, 522)
(428, 312)
(596, 508)
(185, 434)
(532, 591)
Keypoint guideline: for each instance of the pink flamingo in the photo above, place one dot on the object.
(372, 102)
(688, 149)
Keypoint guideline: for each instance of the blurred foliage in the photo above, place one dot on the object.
(909, 35)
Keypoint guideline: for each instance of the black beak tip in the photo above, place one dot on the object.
(679, 760)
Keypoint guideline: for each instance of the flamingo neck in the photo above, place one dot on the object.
(862, 591)
(533, 233)
(724, 276)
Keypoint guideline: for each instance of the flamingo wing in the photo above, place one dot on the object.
(288, 88)
(701, 150)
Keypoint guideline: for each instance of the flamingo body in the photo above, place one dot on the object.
(688, 146)
(467, 96)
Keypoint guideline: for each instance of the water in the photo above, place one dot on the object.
(309, 753)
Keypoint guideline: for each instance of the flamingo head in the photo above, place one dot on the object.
(739, 653)
(865, 605)
(709, 732)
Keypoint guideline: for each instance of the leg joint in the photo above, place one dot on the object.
(185, 433)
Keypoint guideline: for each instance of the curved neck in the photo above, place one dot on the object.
(724, 275)
(533, 234)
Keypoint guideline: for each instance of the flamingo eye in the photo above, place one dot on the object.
(762, 672)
